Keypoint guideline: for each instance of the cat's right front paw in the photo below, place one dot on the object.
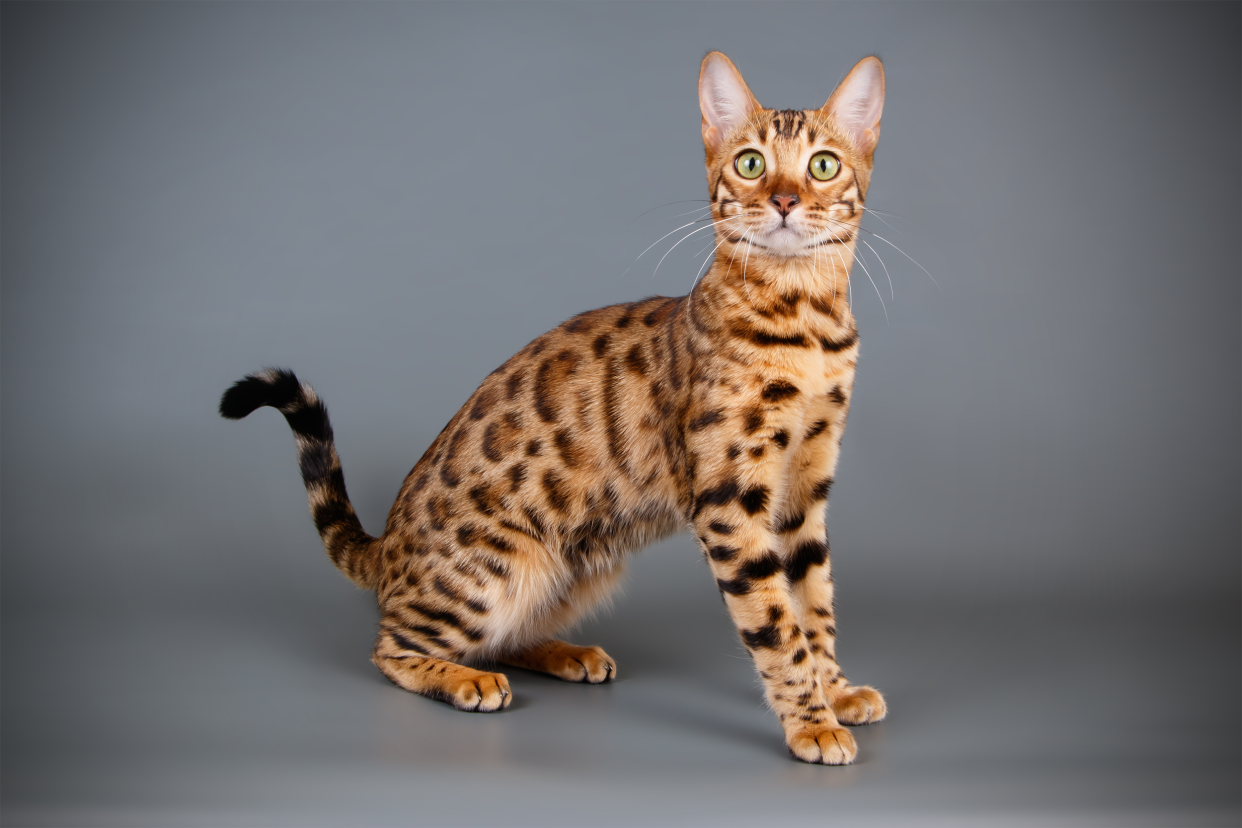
(822, 744)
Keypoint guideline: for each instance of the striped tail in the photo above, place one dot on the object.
(352, 550)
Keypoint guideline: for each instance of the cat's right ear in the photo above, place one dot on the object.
(724, 99)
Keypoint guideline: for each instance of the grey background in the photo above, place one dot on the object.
(1036, 522)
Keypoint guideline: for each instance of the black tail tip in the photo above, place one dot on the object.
(268, 387)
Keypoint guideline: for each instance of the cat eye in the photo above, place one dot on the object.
(824, 165)
(750, 165)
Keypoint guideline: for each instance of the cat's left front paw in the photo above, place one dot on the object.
(859, 705)
(822, 744)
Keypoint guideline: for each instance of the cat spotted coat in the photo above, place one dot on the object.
(721, 411)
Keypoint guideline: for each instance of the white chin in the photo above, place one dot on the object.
(785, 241)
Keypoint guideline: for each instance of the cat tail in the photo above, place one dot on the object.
(353, 551)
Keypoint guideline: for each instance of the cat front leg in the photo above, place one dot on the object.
(808, 569)
(733, 525)
(808, 565)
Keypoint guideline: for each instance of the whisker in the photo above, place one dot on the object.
(863, 265)
(731, 257)
(666, 235)
(900, 216)
(880, 217)
(907, 255)
(669, 204)
(885, 212)
(711, 226)
(886, 241)
(745, 260)
(848, 283)
(815, 263)
(700, 272)
(833, 303)
(891, 295)
(704, 247)
(698, 210)
(717, 244)
(877, 255)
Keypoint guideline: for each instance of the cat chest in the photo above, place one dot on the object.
(811, 380)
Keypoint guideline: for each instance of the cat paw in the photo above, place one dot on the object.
(568, 662)
(859, 705)
(480, 693)
(590, 665)
(822, 744)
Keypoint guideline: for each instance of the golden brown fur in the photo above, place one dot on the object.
(721, 411)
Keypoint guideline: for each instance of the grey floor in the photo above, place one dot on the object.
(1023, 714)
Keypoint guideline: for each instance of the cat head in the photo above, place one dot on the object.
(793, 180)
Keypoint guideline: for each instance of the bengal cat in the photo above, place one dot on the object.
(721, 411)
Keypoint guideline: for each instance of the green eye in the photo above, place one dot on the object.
(750, 165)
(824, 166)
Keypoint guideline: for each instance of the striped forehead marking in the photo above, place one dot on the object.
(788, 122)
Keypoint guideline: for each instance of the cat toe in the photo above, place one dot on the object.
(859, 705)
(484, 693)
(822, 744)
(588, 665)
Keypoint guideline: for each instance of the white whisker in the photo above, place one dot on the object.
(731, 257)
(669, 204)
(745, 260)
(700, 272)
(863, 265)
(891, 295)
(666, 235)
(696, 210)
(815, 262)
(907, 255)
(711, 226)
(849, 284)
(880, 217)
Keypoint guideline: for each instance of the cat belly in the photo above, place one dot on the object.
(559, 587)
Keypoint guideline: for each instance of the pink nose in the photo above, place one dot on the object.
(784, 203)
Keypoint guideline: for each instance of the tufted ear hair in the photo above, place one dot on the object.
(858, 102)
(724, 99)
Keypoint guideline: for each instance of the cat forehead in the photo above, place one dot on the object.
(789, 131)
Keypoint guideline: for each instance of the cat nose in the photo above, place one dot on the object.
(784, 203)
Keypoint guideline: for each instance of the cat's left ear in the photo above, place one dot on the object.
(724, 99)
(858, 102)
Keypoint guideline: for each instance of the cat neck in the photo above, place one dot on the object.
(807, 294)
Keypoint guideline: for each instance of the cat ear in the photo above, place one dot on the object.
(858, 102)
(724, 98)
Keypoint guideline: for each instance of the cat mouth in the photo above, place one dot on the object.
(784, 240)
(790, 242)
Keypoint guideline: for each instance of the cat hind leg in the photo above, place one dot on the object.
(411, 667)
(589, 665)
(570, 662)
